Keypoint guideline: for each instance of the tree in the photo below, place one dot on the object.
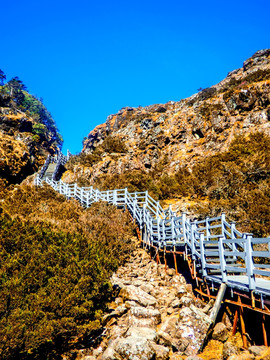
(2, 77)
(16, 88)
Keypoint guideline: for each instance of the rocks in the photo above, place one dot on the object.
(120, 310)
(153, 314)
(228, 350)
(142, 312)
(257, 350)
(220, 332)
(136, 294)
(161, 352)
(147, 333)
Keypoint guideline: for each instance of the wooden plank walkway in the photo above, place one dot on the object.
(220, 252)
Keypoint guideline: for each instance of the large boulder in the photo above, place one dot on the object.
(134, 293)
(220, 332)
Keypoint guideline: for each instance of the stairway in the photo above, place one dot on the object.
(50, 171)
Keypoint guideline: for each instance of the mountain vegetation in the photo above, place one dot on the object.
(56, 262)
(204, 155)
(27, 131)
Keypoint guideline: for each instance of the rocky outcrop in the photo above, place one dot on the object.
(169, 135)
(22, 151)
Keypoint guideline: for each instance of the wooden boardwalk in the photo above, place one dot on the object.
(218, 251)
(225, 264)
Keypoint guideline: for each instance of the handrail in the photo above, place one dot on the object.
(219, 250)
(45, 166)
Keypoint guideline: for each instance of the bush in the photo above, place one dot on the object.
(56, 262)
(236, 181)
(113, 145)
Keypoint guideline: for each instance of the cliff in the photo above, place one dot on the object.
(184, 131)
(27, 133)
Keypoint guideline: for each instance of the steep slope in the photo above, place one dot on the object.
(191, 128)
(204, 154)
(27, 133)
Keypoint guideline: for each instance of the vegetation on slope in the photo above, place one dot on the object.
(236, 181)
(27, 131)
(56, 261)
(13, 94)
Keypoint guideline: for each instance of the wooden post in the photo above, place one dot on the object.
(265, 341)
(175, 261)
(235, 320)
(217, 305)
(192, 241)
(207, 228)
(172, 229)
(165, 260)
(223, 218)
(249, 262)
(214, 312)
(203, 261)
(184, 218)
(222, 260)
(158, 259)
(242, 323)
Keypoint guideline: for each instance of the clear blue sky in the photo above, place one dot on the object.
(88, 59)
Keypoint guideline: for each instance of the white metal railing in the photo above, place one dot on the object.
(219, 250)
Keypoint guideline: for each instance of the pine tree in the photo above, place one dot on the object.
(2, 77)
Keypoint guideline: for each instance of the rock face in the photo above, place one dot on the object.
(148, 320)
(22, 151)
(183, 131)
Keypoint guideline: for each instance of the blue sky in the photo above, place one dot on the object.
(88, 59)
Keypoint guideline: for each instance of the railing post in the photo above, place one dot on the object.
(203, 261)
(223, 219)
(114, 197)
(163, 230)
(249, 262)
(222, 260)
(233, 237)
(207, 228)
(82, 191)
(157, 208)
(158, 233)
(144, 213)
(60, 187)
(91, 191)
(87, 199)
(75, 190)
(173, 230)
(146, 197)
(134, 208)
(193, 226)
(126, 191)
(184, 218)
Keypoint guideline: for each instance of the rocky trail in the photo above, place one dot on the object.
(156, 316)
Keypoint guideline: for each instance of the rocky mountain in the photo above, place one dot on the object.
(184, 131)
(198, 154)
(27, 133)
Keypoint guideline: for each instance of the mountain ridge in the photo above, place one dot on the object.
(204, 154)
